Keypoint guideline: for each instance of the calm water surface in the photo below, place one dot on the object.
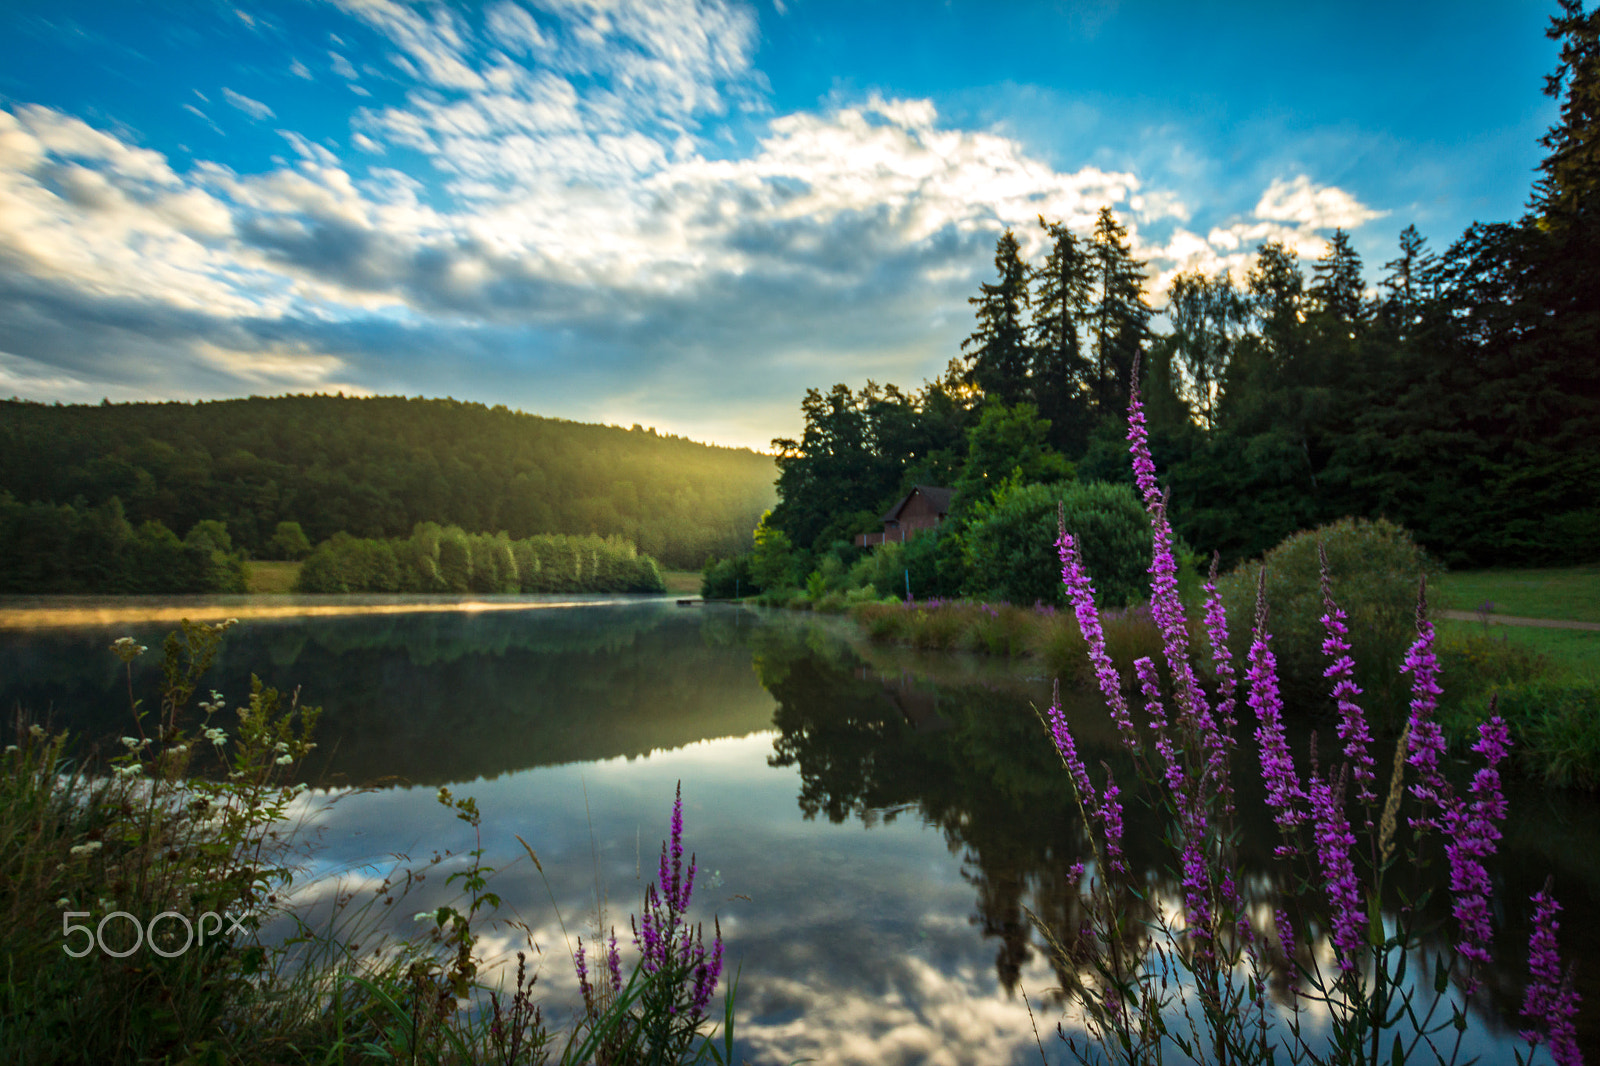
(871, 825)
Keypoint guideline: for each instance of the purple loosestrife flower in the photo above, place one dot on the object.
(1081, 591)
(1165, 605)
(1550, 1002)
(1334, 841)
(1473, 832)
(1107, 810)
(1352, 723)
(1221, 657)
(666, 943)
(1197, 887)
(1284, 794)
(1111, 824)
(1069, 752)
(1286, 942)
(1172, 767)
(582, 966)
(1426, 744)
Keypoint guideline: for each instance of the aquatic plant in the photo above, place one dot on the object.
(1192, 974)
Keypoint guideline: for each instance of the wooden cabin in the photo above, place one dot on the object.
(924, 507)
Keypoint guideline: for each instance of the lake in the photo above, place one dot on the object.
(872, 825)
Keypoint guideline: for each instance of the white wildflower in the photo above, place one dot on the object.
(217, 736)
(11, 748)
(131, 770)
(284, 760)
(78, 851)
(63, 902)
(36, 731)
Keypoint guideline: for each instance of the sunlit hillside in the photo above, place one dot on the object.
(374, 467)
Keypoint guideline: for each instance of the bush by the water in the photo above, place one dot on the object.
(1010, 541)
(1375, 567)
(447, 559)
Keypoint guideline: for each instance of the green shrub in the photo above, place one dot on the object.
(1375, 567)
(1010, 542)
(724, 579)
(1555, 727)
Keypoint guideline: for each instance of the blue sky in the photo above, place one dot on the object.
(683, 213)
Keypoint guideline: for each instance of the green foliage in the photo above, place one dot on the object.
(288, 542)
(435, 559)
(728, 579)
(69, 548)
(1011, 541)
(1376, 569)
(773, 564)
(856, 455)
(375, 467)
(1006, 441)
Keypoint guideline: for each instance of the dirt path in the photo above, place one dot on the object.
(1513, 620)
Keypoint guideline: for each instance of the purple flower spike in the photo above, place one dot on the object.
(1426, 744)
(1069, 752)
(1473, 831)
(1352, 722)
(1334, 841)
(1165, 606)
(1081, 591)
(1111, 824)
(1550, 1003)
(1284, 794)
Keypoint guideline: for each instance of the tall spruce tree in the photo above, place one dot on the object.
(1336, 282)
(1409, 281)
(1119, 315)
(998, 349)
(1061, 375)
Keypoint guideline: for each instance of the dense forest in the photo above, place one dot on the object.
(373, 468)
(1459, 396)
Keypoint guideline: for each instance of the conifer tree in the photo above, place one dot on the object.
(1119, 314)
(1568, 194)
(998, 359)
(1336, 281)
(1408, 280)
(1061, 374)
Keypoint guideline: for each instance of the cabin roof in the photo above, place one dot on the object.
(937, 496)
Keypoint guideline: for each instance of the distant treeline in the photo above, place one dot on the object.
(435, 559)
(59, 548)
(376, 467)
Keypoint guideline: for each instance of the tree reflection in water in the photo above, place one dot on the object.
(872, 740)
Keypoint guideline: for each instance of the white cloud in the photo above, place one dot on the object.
(436, 44)
(254, 108)
(1316, 206)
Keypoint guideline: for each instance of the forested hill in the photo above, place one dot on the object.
(374, 467)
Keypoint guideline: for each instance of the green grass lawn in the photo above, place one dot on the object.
(1569, 593)
(272, 577)
(1569, 651)
(682, 582)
